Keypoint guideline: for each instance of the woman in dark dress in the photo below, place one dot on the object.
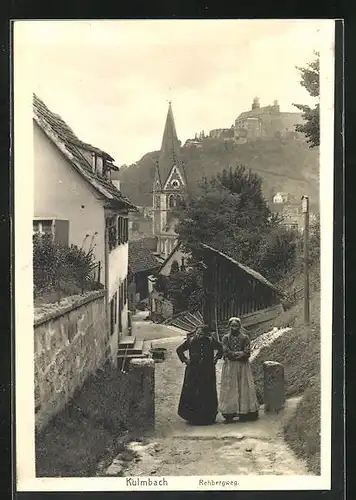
(198, 401)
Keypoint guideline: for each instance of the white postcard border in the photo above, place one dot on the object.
(24, 365)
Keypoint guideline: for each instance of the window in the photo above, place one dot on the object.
(115, 308)
(94, 161)
(118, 231)
(99, 165)
(125, 291)
(59, 229)
(113, 314)
(123, 230)
(171, 201)
(112, 232)
(43, 227)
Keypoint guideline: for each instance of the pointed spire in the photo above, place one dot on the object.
(170, 147)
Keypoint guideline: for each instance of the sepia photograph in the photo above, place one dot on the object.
(173, 186)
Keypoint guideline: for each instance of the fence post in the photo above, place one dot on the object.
(305, 210)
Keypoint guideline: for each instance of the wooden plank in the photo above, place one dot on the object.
(196, 321)
(199, 315)
(262, 315)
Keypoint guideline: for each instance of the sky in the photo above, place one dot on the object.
(111, 80)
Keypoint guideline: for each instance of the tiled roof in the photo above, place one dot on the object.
(141, 258)
(71, 146)
(173, 251)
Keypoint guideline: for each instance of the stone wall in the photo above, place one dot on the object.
(70, 343)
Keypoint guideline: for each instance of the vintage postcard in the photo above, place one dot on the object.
(173, 241)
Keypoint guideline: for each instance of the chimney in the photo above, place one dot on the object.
(256, 103)
(116, 183)
(276, 105)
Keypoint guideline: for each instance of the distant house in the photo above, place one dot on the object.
(176, 256)
(76, 201)
(290, 212)
(193, 143)
(142, 263)
(160, 304)
(281, 198)
(222, 133)
(140, 226)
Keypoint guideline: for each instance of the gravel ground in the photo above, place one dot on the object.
(175, 448)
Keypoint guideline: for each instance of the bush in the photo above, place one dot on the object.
(60, 268)
(302, 431)
(230, 213)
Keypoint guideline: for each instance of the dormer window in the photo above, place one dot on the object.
(97, 164)
(93, 156)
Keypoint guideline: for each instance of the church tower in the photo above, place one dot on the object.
(169, 188)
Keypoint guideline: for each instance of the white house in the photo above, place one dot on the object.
(76, 200)
(281, 198)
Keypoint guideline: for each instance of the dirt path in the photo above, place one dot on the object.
(176, 448)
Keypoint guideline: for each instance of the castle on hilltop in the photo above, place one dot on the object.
(266, 121)
(259, 122)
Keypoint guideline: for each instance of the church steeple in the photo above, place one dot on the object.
(169, 190)
(170, 147)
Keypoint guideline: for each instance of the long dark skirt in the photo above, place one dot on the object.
(198, 402)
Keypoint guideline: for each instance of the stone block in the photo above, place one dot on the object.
(142, 391)
(274, 386)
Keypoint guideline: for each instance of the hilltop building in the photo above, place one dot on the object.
(222, 133)
(266, 121)
(169, 188)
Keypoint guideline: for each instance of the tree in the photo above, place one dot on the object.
(230, 214)
(310, 80)
(225, 210)
(184, 289)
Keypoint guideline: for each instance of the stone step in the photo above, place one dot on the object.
(123, 362)
(137, 348)
(127, 342)
(132, 356)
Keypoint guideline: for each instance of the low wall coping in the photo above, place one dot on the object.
(271, 363)
(66, 308)
(135, 363)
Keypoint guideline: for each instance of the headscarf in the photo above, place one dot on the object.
(237, 320)
(234, 319)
